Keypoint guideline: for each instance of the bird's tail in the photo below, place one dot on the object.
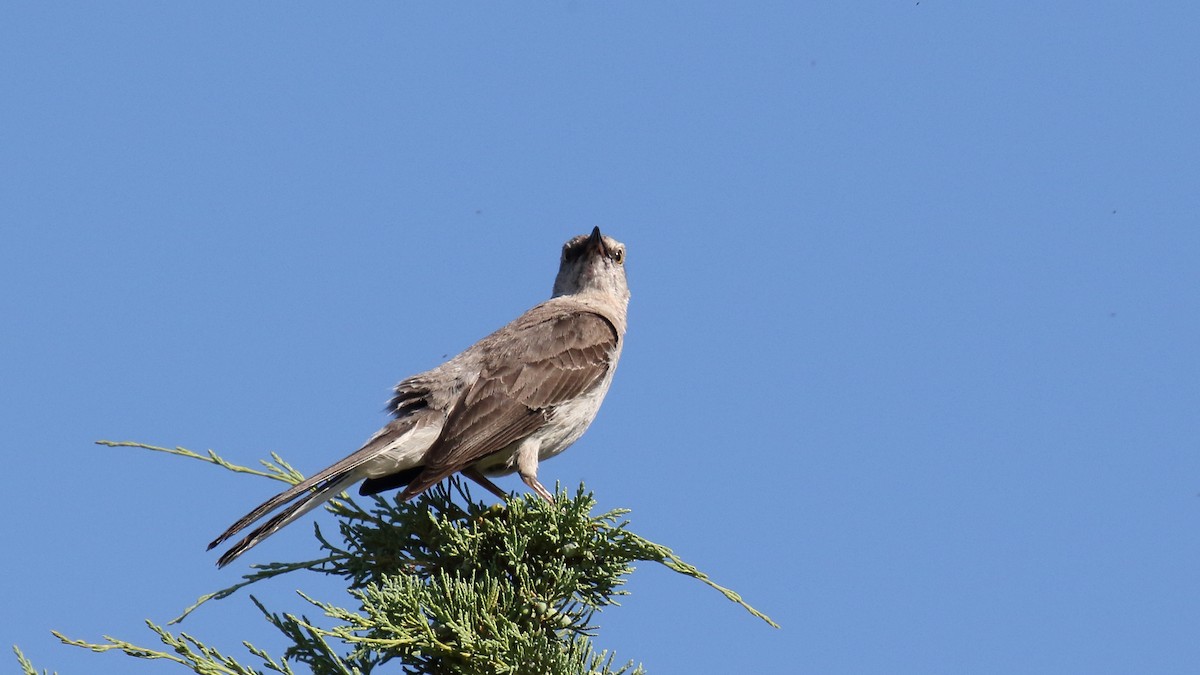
(320, 493)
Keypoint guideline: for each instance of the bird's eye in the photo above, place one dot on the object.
(619, 256)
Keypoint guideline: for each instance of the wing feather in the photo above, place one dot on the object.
(544, 361)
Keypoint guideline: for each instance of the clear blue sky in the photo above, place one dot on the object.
(912, 360)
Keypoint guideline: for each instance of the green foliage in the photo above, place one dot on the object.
(443, 585)
(27, 667)
(188, 651)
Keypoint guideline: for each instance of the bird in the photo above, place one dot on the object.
(517, 397)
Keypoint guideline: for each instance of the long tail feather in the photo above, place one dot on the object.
(274, 503)
(330, 489)
(409, 435)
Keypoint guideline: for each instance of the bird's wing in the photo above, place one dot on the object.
(336, 474)
(549, 357)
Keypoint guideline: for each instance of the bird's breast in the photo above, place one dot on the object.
(569, 420)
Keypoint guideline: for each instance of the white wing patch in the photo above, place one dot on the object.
(405, 452)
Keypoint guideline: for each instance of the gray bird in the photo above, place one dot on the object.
(518, 396)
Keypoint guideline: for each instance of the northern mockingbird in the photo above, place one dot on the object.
(518, 396)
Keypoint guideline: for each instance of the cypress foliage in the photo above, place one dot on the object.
(440, 585)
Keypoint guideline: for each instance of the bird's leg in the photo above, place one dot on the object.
(527, 465)
(473, 473)
(532, 482)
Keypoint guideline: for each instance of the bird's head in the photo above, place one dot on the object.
(592, 264)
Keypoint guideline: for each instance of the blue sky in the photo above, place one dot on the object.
(912, 352)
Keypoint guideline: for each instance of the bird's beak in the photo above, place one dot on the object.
(596, 241)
